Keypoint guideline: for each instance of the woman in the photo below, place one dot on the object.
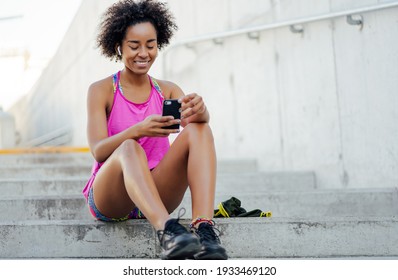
(137, 173)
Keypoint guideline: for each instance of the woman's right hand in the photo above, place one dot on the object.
(153, 125)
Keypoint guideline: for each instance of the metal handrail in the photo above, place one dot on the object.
(249, 30)
(57, 137)
(11, 17)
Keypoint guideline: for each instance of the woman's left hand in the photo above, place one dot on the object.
(191, 105)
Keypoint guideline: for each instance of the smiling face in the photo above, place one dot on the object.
(139, 47)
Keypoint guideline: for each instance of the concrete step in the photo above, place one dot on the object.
(71, 157)
(226, 182)
(39, 187)
(53, 171)
(77, 170)
(242, 237)
(41, 197)
(86, 159)
(320, 203)
(45, 158)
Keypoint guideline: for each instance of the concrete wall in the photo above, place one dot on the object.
(323, 100)
(58, 100)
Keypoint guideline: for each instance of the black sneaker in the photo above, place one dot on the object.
(177, 242)
(211, 245)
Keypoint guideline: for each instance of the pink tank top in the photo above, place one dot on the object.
(125, 114)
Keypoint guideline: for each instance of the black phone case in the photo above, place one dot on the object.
(171, 107)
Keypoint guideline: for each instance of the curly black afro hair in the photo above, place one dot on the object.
(123, 14)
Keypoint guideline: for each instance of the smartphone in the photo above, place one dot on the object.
(171, 107)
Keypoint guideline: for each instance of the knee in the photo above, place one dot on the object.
(130, 148)
(199, 131)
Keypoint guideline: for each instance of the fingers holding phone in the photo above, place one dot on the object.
(154, 126)
(192, 104)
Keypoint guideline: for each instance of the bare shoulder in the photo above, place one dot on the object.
(101, 90)
(104, 85)
(170, 89)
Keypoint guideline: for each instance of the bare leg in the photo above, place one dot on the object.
(191, 161)
(124, 181)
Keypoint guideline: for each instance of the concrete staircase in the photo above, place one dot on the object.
(44, 215)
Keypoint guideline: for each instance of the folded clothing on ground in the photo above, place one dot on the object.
(232, 208)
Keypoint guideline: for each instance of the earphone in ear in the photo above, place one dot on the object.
(118, 51)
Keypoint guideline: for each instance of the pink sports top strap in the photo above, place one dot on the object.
(116, 79)
(154, 83)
